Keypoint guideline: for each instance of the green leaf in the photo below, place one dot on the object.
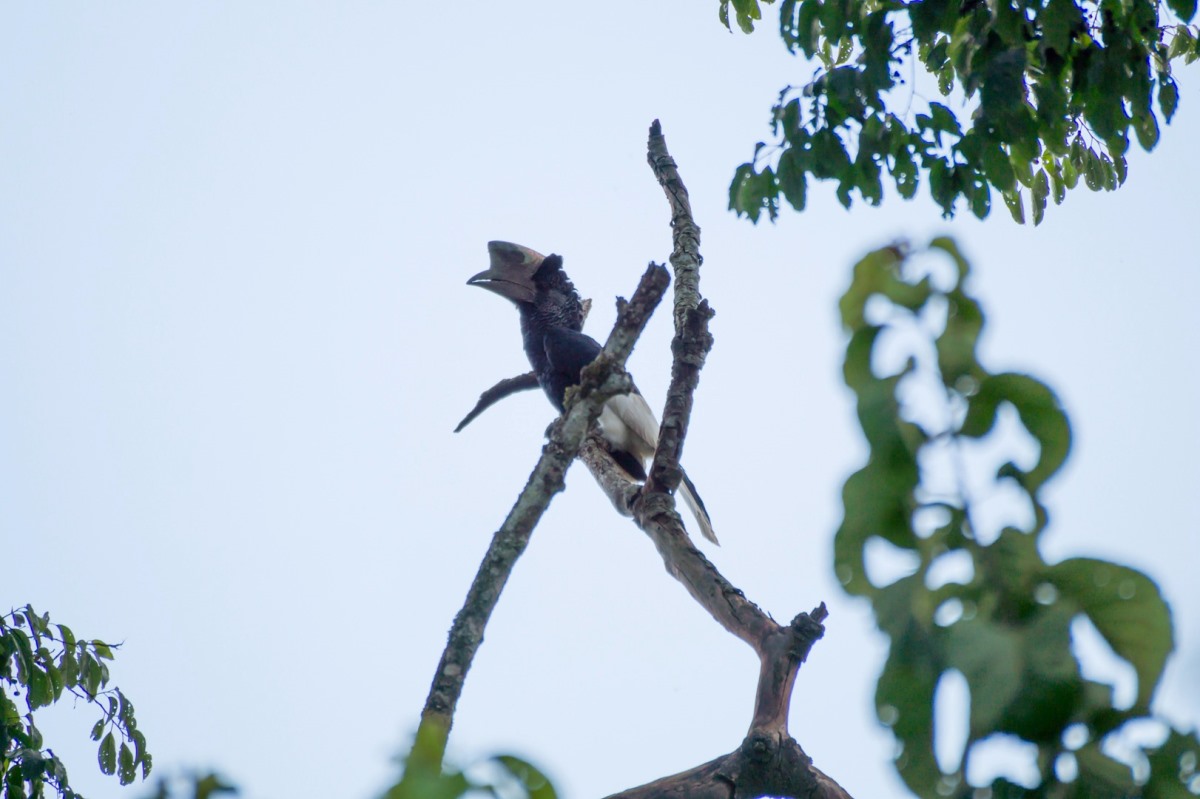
(878, 499)
(1052, 686)
(125, 710)
(1041, 189)
(1184, 9)
(126, 772)
(829, 158)
(56, 679)
(939, 120)
(535, 783)
(878, 273)
(26, 664)
(9, 715)
(1146, 126)
(747, 14)
(904, 702)
(1016, 206)
(753, 191)
(1127, 609)
(41, 690)
(1181, 43)
(792, 180)
(1061, 21)
(1093, 173)
(989, 656)
(1173, 767)
(66, 636)
(1039, 411)
(957, 342)
(998, 168)
(212, 785)
(737, 186)
(37, 627)
(1168, 97)
(904, 169)
(108, 754)
(980, 199)
(1058, 186)
(1102, 777)
(950, 247)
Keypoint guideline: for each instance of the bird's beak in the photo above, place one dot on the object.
(511, 272)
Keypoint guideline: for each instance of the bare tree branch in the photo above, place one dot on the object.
(685, 257)
(507, 386)
(692, 340)
(602, 379)
(612, 479)
(769, 762)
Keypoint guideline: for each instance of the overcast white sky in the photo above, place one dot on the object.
(235, 338)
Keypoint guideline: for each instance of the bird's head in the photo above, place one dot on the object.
(511, 272)
(535, 282)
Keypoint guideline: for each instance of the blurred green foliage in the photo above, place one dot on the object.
(426, 776)
(1005, 621)
(1049, 94)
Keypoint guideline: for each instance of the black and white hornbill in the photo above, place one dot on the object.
(551, 325)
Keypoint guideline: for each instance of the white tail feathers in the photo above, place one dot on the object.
(688, 492)
(629, 425)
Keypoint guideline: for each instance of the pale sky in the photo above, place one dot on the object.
(235, 337)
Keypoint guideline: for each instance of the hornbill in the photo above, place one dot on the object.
(551, 325)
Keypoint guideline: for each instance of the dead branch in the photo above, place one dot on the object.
(602, 379)
(507, 386)
(692, 340)
(769, 761)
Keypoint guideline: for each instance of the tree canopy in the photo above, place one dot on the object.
(1047, 95)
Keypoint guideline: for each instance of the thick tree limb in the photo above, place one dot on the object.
(762, 766)
(604, 378)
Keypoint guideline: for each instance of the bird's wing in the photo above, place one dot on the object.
(627, 419)
(632, 425)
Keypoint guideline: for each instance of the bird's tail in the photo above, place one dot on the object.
(696, 506)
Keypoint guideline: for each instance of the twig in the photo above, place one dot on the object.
(604, 378)
(510, 385)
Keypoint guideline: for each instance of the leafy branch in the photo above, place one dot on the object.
(1050, 93)
(39, 662)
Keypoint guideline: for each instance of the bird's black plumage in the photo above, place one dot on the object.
(551, 330)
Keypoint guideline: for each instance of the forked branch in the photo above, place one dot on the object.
(769, 761)
(603, 379)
